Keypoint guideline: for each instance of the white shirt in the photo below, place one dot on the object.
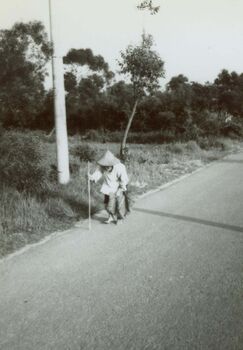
(113, 180)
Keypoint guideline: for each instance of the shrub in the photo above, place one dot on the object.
(232, 129)
(203, 143)
(74, 167)
(224, 144)
(152, 137)
(22, 219)
(57, 207)
(98, 135)
(142, 158)
(193, 147)
(211, 124)
(177, 148)
(192, 132)
(21, 162)
(208, 142)
(84, 152)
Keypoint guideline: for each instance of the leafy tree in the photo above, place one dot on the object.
(91, 86)
(229, 93)
(147, 114)
(119, 99)
(24, 51)
(85, 57)
(148, 5)
(144, 68)
(202, 96)
(70, 81)
(86, 77)
(45, 120)
(177, 83)
(180, 97)
(83, 101)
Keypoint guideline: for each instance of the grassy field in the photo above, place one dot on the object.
(27, 217)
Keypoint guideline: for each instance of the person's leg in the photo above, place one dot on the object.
(129, 201)
(110, 208)
(120, 206)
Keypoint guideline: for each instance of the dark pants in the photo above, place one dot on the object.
(116, 205)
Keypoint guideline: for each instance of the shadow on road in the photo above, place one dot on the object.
(191, 219)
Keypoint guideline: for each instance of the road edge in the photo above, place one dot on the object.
(80, 223)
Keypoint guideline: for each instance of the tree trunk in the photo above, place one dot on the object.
(51, 132)
(124, 141)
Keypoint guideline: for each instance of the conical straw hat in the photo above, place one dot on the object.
(108, 159)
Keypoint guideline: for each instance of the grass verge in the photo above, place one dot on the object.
(28, 217)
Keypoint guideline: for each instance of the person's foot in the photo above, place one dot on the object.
(110, 219)
(119, 221)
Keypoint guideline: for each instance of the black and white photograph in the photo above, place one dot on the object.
(121, 175)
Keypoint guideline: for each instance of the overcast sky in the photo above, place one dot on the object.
(197, 38)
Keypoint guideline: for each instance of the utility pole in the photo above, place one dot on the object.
(59, 107)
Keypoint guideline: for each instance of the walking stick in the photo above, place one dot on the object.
(89, 199)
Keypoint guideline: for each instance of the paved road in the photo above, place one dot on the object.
(170, 277)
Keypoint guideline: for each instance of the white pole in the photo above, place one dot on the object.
(89, 199)
(60, 108)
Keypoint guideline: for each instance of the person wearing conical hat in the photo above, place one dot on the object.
(115, 180)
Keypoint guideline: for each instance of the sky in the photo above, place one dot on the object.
(196, 38)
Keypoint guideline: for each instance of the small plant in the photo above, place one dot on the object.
(97, 135)
(224, 144)
(204, 143)
(176, 148)
(125, 156)
(142, 159)
(193, 146)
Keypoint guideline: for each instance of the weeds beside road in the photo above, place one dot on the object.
(28, 216)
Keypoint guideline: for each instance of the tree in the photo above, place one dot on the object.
(228, 88)
(144, 68)
(84, 104)
(117, 101)
(24, 51)
(148, 5)
(180, 95)
(86, 77)
(177, 83)
(85, 57)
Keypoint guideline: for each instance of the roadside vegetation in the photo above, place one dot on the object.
(32, 204)
(169, 132)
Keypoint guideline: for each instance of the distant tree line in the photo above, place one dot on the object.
(95, 100)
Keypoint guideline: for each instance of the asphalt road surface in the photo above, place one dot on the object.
(170, 277)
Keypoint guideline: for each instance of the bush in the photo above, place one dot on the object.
(223, 144)
(57, 207)
(192, 132)
(21, 162)
(177, 148)
(152, 137)
(98, 135)
(193, 147)
(207, 143)
(213, 125)
(232, 129)
(84, 152)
